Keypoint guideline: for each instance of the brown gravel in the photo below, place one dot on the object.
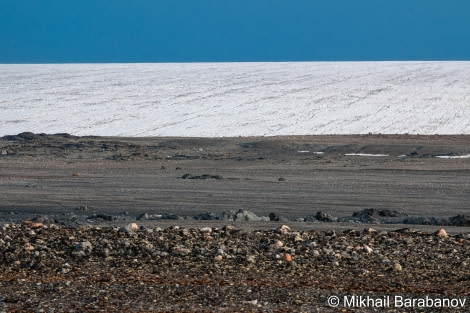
(79, 269)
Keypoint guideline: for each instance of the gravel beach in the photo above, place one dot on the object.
(106, 224)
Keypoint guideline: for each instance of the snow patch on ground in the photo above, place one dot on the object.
(367, 154)
(453, 156)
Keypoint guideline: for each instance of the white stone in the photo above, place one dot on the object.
(284, 229)
(206, 230)
(366, 249)
(442, 233)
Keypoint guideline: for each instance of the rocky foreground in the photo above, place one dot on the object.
(50, 268)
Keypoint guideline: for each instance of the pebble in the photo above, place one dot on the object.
(229, 228)
(284, 230)
(442, 233)
(408, 241)
(32, 224)
(79, 254)
(366, 249)
(133, 226)
(278, 243)
(29, 247)
(206, 230)
(84, 246)
(252, 302)
(397, 267)
(251, 259)
(208, 238)
(184, 232)
(331, 233)
(287, 257)
(129, 228)
(369, 231)
(185, 251)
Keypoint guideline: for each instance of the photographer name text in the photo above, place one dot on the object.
(402, 302)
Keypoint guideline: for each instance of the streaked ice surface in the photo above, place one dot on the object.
(236, 99)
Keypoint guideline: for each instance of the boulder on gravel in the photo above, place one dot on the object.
(372, 215)
(420, 220)
(460, 220)
(104, 217)
(143, 216)
(309, 219)
(242, 216)
(170, 216)
(320, 217)
(274, 217)
(325, 217)
(206, 216)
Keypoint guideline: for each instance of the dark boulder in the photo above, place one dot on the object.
(206, 216)
(325, 217)
(143, 216)
(274, 217)
(460, 220)
(419, 220)
(104, 217)
(378, 213)
(309, 219)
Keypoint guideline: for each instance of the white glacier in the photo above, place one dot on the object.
(236, 99)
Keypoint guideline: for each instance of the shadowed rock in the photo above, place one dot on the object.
(204, 176)
(206, 216)
(104, 217)
(143, 216)
(242, 215)
(419, 220)
(274, 217)
(325, 217)
(372, 215)
(460, 220)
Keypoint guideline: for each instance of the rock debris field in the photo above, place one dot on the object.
(47, 268)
